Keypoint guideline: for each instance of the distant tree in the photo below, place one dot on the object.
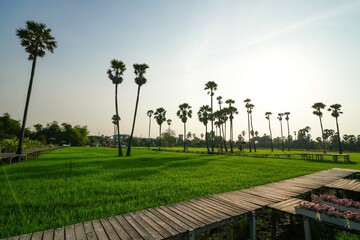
(139, 70)
(204, 114)
(249, 106)
(184, 113)
(149, 114)
(36, 39)
(169, 121)
(287, 122)
(160, 116)
(267, 116)
(115, 74)
(220, 102)
(335, 110)
(318, 107)
(231, 110)
(220, 117)
(211, 86)
(9, 127)
(280, 117)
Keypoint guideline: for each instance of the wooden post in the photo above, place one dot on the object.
(191, 234)
(307, 228)
(252, 226)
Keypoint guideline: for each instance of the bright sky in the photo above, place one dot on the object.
(283, 55)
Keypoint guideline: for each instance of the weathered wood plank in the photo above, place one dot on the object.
(143, 233)
(109, 230)
(129, 229)
(154, 224)
(59, 234)
(70, 232)
(80, 231)
(119, 229)
(169, 220)
(48, 234)
(89, 231)
(99, 230)
(37, 236)
(149, 228)
(26, 237)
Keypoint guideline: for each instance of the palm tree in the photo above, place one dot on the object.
(231, 110)
(204, 116)
(115, 119)
(318, 106)
(169, 121)
(115, 73)
(219, 99)
(221, 116)
(335, 112)
(249, 108)
(149, 114)
(184, 113)
(36, 39)
(287, 121)
(280, 116)
(160, 116)
(267, 116)
(211, 86)
(139, 70)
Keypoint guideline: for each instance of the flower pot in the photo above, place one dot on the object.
(307, 213)
(354, 225)
(333, 220)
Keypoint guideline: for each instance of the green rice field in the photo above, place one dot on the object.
(71, 185)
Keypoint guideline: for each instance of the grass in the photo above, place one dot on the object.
(72, 185)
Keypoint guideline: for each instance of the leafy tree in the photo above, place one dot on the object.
(335, 110)
(139, 70)
(318, 107)
(149, 114)
(204, 114)
(9, 127)
(169, 138)
(231, 110)
(211, 86)
(36, 39)
(184, 113)
(280, 117)
(267, 116)
(115, 74)
(160, 116)
(287, 122)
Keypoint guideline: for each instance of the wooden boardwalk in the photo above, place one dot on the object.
(189, 218)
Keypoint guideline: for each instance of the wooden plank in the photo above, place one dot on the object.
(129, 229)
(70, 232)
(168, 225)
(211, 210)
(175, 223)
(119, 229)
(158, 228)
(49, 234)
(147, 227)
(59, 234)
(214, 205)
(193, 214)
(143, 233)
(37, 236)
(206, 213)
(80, 231)
(99, 230)
(241, 202)
(89, 231)
(26, 237)
(251, 198)
(109, 230)
(192, 224)
(226, 204)
(13, 238)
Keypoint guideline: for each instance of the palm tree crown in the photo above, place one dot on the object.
(184, 112)
(318, 106)
(140, 70)
(36, 39)
(211, 86)
(116, 71)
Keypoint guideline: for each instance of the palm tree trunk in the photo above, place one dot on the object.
(117, 122)
(133, 125)
(212, 124)
(19, 149)
(322, 134)
(252, 130)
(159, 136)
(282, 137)
(231, 137)
(271, 141)
(338, 131)
(224, 140)
(149, 132)
(287, 121)
(249, 131)
(184, 137)
(206, 138)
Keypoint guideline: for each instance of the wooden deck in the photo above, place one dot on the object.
(189, 218)
(346, 184)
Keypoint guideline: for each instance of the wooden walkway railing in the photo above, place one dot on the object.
(9, 157)
(189, 218)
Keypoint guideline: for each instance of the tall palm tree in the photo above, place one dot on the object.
(280, 117)
(221, 116)
(204, 117)
(160, 116)
(318, 107)
(231, 110)
(139, 70)
(267, 116)
(220, 102)
(169, 121)
(149, 114)
(115, 119)
(287, 122)
(184, 113)
(115, 74)
(335, 112)
(247, 106)
(36, 39)
(211, 86)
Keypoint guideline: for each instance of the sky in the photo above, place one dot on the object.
(283, 55)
